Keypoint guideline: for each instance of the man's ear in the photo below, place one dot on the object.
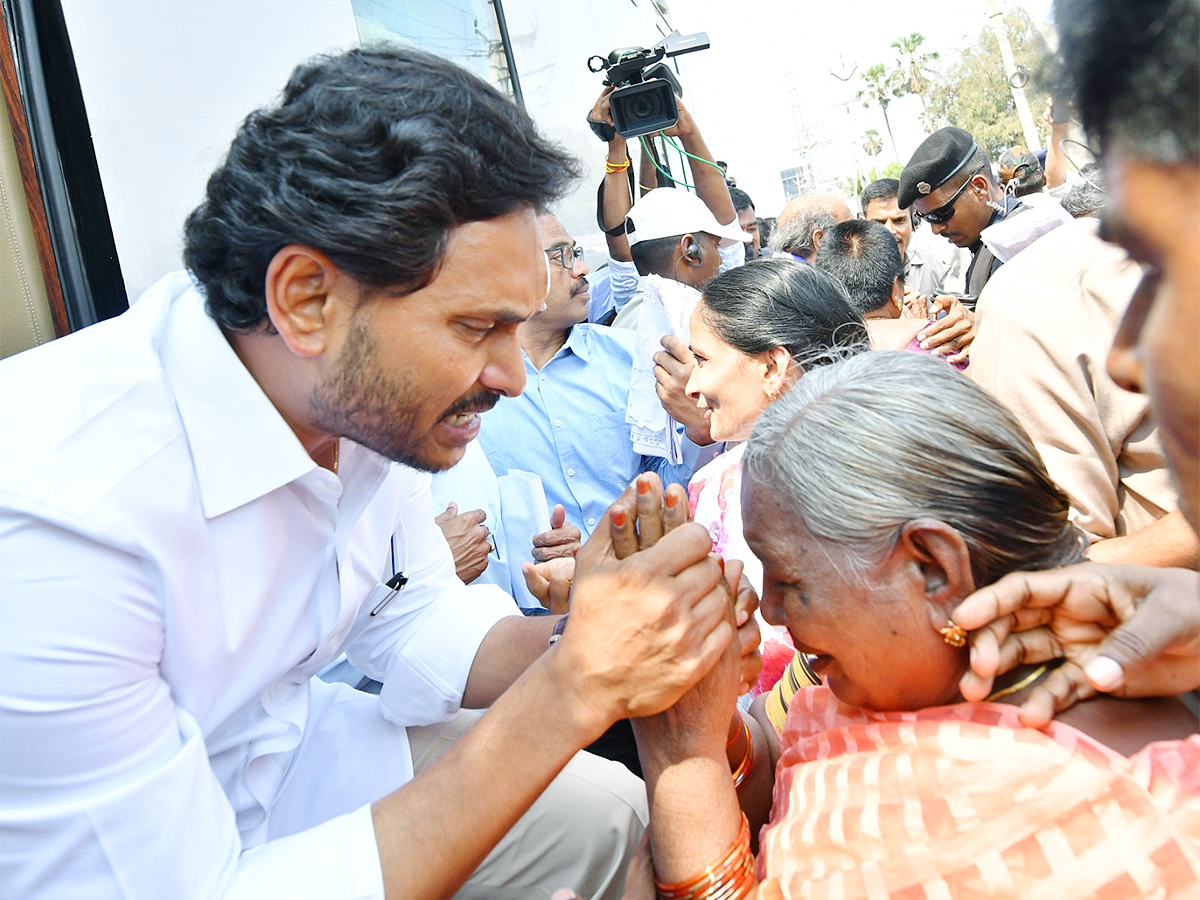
(301, 301)
(938, 562)
(898, 293)
(981, 185)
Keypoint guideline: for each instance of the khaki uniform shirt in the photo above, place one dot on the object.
(1045, 323)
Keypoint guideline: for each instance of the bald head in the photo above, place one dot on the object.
(810, 203)
(804, 221)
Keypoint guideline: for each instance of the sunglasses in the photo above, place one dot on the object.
(945, 212)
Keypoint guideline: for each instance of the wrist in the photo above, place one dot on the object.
(583, 707)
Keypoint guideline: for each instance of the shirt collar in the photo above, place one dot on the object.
(242, 449)
(578, 341)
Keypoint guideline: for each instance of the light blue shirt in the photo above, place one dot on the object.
(569, 426)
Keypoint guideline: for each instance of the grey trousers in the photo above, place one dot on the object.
(580, 834)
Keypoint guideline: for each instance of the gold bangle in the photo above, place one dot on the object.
(612, 168)
(747, 763)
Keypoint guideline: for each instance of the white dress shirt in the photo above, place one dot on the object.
(175, 569)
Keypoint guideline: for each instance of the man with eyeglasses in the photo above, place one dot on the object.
(950, 184)
(569, 424)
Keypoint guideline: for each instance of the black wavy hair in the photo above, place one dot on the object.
(371, 157)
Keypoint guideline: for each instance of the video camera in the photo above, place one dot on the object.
(644, 99)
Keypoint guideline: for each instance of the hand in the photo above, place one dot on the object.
(685, 126)
(602, 112)
(1132, 631)
(950, 336)
(1048, 117)
(469, 540)
(915, 305)
(642, 515)
(550, 583)
(672, 368)
(562, 540)
(646, 628)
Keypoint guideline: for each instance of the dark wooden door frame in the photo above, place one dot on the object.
(29, 180)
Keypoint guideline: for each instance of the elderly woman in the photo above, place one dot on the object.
(877, 494)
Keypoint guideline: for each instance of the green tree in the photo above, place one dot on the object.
(973, 92)
(881, 86)
(914, 64)
(852, 185)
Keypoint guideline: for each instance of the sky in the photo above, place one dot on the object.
(741, 89)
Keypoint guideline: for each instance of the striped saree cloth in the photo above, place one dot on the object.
(963, 802)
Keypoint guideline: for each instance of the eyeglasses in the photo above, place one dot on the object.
(566, 256)
(945, 212)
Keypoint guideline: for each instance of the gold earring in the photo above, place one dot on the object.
(954, 635)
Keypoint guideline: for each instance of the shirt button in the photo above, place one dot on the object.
(558, 423)
(570, 472)
(591, 520)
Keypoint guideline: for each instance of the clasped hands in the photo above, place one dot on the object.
(652, 604)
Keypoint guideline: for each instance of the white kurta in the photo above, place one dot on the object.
(175, 569)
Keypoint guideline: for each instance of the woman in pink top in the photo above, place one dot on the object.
(755, 331)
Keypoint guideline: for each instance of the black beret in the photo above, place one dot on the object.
(937, 160)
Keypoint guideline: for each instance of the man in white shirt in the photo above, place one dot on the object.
(923, 271)
(202, 510)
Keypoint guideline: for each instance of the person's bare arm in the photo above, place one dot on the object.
(1168, 542)
(643, 631)
(706, 176)
(1056, 160)
(617, 201)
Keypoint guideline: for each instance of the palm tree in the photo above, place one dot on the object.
(881, 86)
(913, 64)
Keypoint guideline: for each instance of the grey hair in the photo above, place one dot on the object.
(796, 234)
(859, 448)
(1087, 197)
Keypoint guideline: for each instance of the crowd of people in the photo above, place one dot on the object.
(829, 554)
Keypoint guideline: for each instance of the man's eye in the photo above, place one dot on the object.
(477, 329)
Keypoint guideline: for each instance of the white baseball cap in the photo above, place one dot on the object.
(667, 212)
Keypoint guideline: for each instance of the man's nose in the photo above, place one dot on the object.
(505, 370)
(1124, 359)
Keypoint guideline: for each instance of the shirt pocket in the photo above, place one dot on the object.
(610, 456)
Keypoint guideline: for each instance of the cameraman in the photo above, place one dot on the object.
(709, 240)
(616, 202)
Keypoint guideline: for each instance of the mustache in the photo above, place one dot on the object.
(480, 401)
